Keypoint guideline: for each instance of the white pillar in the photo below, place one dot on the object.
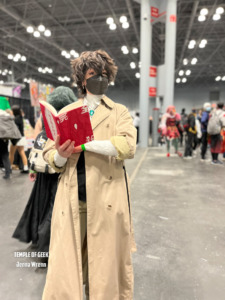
(170, 52)
(145, 58)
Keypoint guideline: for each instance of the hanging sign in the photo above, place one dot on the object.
(173, 18)
(153, 71)
(152, 92)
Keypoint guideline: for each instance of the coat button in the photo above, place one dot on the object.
(63, 214)
(110, 177)
(107, 125)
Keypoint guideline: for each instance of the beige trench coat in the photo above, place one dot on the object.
(109, 225)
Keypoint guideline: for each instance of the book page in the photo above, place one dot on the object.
(49, 107)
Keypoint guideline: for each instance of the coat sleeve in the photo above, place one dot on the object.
(126, 135)
(48, 155)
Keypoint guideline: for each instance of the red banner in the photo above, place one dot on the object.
(173, 18)
(152, 92)
(153, 71)
(154, 12)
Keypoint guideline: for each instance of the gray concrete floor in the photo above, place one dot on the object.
(178, 209)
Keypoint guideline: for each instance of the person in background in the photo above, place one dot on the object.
(218, 140)
(183, 126)
(34, 225)
(198, 139)
(19, 145)
(204, 123)
(136, 122)
(169, 126)
(37, 128)
(191, 134)
(4, 104)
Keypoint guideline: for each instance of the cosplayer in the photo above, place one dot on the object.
(169, 126)
(91, 231)
(34, 225)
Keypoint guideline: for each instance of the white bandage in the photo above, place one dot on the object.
(101, 147)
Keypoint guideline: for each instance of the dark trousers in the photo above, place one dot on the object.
(189, 144)
(5, 156)
(215, 156)
(204, 144)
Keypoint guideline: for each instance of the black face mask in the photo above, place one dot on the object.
(97, 84)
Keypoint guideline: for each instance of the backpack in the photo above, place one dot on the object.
(37, 162)
(214, 125)
(184, 122)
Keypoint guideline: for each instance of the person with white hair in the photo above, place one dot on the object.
(204, 123)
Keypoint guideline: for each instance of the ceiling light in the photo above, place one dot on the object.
(188, 72)
(63, 53)
(201, 45)
(204, 41)
(47, 33)
(68, 55)
(204, 11)
(15, 59)
(124, 48)
(6, 71)
(50, 70)
(181, 73)
(10, 72)
(218, 78)
(40, 69)
(76, 55)
(132, 65)
(36, 34)
(201, 18)
(184, 80)
(220, 10)
(10, 56)
(223, 78)
(185, 61)
(112, 83)
(125, 25)
(30, 29)
(216, 17)
(126, 51)
(109, 20)
(18, 55)
(178, 80)
(135, 50)
(0, 71)
(192, 42)
(139, 64)
(123, 19)
(25, 80)
(137, 75)
(191, 46)
(72, 52)
(112, 26)
(23, 58)
(1, 81)
(43, 71)
(3, 73)
(194, 61)
(41, 28)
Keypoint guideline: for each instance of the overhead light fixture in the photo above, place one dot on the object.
(178, 80)
(36, 34)
(135, 50)
(181, 72)
(15, 59)
(184, 79)
(124, 48)
(194, 61)
(220, 10)
(112, 83)
(112, 26)
(204, 41)
(132, 65)
(137, 75)
(10, 72)
(10, 56)
(201, 45)
(125, 25)
(185, 61)
(41, 28)
(63, 53)
(223, 78)
(47, 33)
(123, 19)
(191, 46)
(201, 18)
(72, 52)
(30, 29)
(218, 78)
(188, 72)
(40, 69)
(18, 55)
(216, 17)
(126, 51)
(1, 81)
(109, 20)
(23, 58)
(204, 11)
(68, 55)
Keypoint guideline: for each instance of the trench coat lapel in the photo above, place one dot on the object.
(102, 112)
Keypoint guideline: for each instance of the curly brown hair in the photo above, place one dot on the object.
(98, 60)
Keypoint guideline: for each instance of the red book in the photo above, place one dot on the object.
(69, 123)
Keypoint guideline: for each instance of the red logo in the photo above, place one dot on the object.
(173, 18)
(154, 12)
(152, 92)
(153, 71)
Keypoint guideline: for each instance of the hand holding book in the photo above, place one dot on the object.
(67, 148)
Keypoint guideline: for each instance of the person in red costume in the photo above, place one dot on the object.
(169, 126)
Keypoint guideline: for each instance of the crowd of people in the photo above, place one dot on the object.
(201, 129)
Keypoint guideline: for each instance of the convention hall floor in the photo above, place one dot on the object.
(178, 211)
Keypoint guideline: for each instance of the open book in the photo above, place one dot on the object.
(69, 123)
